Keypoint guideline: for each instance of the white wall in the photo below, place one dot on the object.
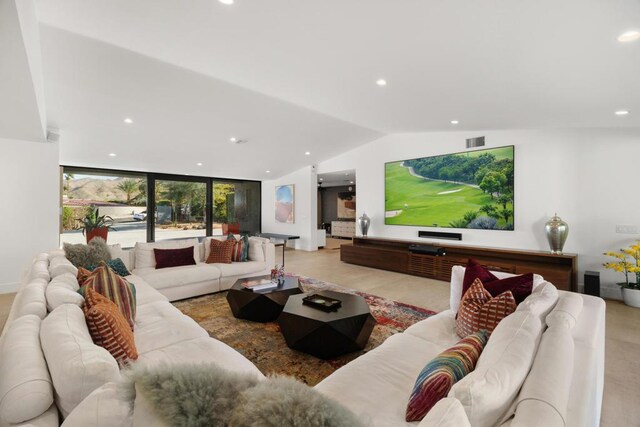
(306, 208)
(589, 177)
(29, 212)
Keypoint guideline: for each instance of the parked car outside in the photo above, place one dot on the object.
(140, 216)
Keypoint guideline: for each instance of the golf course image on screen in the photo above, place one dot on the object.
(473, 189)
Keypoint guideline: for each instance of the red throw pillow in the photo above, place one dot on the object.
(520, 286)
(478, 310)
(221, 251)
(174, 257)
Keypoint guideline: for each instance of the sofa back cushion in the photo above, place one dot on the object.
(457, 281)
(541, 301)
(76, 364)
(145, 257)
(256, 249)
(63, 289)
(61, 265)
(25, 384)
(489, 392)
(448, 412)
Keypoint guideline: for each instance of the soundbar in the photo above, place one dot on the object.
(440, 235)
(427, 250)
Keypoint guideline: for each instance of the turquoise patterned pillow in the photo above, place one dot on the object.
(441, 373)
(116, 265)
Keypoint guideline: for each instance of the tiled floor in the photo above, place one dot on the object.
(622, 371)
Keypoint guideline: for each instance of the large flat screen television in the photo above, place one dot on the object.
(472, 189)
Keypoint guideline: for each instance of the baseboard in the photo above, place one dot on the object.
(8, 288)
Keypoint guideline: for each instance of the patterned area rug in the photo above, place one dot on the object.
(263, 344)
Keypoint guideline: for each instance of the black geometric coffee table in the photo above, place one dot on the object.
(262, 306)
(327, 334)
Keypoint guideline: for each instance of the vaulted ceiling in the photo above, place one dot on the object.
(296, 76)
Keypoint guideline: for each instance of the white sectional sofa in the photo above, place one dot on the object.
(543, 365)
(184, 282)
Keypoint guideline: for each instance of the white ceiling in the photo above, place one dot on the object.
(336, 179)
(495, 64)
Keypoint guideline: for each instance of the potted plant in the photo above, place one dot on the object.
(94, 225)
(628, 261)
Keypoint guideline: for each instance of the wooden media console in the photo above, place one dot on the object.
(394, 255)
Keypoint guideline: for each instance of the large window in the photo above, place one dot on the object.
(121, 197)
(148, 207)
(236, 207)
(180, 209)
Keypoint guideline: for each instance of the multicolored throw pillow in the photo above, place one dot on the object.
(240, 249)
(520, 286)
(108, 327)
(480, 311)
(441, 373)
(221, 251)
(106, 282)
(116, 265)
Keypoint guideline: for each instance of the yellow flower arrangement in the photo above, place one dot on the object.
(627, 261)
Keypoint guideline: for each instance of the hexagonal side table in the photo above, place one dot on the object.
(327, 334)
(263, 306)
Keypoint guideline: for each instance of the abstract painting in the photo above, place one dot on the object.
(285, 203)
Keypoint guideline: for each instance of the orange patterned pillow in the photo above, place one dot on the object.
(479, 310)
(108, 327)
(221, 251)
(83, 274)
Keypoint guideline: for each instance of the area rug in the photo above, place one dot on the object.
(263, 344)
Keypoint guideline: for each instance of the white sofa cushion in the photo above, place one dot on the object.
(63, 289)
(545, 393)
(566, 311)
(489, 391)
(160, 324)
(541, 301)
(61, 265)
(438, 329)
(256, 248)
(39, 270)
(457, 278)
(240, 268)
(104, 407)
(378, 384)
(25, 384)
(179, 276)
(145, 293)
(146, 258)
(448, 412)
(49, 419)
(30, 300)
(77, 365)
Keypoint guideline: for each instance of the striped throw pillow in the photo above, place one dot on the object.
(108, 283)
(480, 311)
(240, 249)
(441, 373)
(108, 327)
(221, 251)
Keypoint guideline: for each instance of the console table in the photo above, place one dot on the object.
(394, 255)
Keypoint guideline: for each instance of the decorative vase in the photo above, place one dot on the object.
(557, 231)
(631, 297)
(364, 221)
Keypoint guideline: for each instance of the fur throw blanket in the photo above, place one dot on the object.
(82, 255)
(207, 395)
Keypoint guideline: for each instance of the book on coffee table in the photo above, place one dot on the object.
(259, 285)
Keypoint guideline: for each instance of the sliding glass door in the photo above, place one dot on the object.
(236, 207)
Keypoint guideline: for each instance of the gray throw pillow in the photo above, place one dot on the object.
(87, 255)
(284, 402)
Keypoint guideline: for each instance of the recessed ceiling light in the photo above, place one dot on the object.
(351, 182)
(233, 139)
(381, 82)
(622, 112)
(128, 120)
(321, 179)
(268, 171)
(227, 2)
(199, 164)
(629, 36)
(307, 153)
(454, 122)
(112, 154)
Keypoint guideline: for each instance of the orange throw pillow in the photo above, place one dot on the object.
(221, 251)
(479, 310)
(108, 327)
